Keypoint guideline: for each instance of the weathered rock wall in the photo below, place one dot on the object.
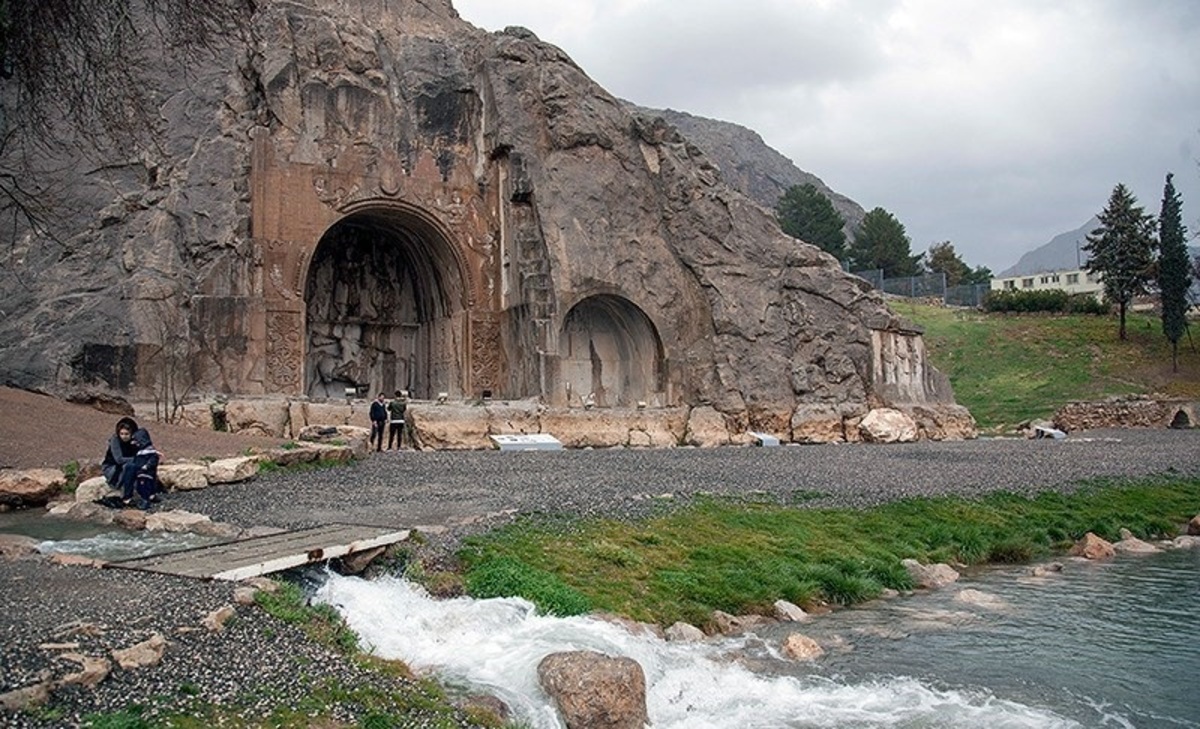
(551, 244)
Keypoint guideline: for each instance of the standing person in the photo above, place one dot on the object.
(121, 451)
(379, 416)
(396, 410)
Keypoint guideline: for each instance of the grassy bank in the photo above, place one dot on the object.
(1007, 368)
(741, 557)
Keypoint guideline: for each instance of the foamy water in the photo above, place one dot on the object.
(495, 646)
(115, 546)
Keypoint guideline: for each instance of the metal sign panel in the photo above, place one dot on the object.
(531, 442)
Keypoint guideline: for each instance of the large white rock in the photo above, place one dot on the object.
(93, 489)
(787, 612)
(183, 476)
(232, 470)
(684, 633)
(885, 425)
(930, 576)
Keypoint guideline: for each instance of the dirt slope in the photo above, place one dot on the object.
(40, 431)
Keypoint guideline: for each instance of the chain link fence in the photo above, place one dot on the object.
(929, 285)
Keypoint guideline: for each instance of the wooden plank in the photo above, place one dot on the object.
(263, 555)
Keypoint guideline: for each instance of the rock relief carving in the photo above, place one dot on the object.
(283, 350)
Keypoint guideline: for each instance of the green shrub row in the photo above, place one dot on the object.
(1047, 300)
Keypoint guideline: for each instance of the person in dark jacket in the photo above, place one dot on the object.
(142, 472)
(379, 418)
(121, 451)
(396, 426)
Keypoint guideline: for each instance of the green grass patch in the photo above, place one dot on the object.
(1009, 368)
(740, 557)
(320, 622)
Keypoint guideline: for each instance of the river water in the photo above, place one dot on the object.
(1113, 644)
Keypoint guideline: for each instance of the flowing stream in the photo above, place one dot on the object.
(1099, 645)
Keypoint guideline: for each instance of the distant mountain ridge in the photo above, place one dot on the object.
(750, 165)
(1064, 252)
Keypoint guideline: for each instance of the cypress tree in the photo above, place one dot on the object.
(1174, 269)
(1122, 250)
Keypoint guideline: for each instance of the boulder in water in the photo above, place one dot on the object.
(800, 647)
(595, 691)
(930, 576)
(684, 633)
(1130, 544)
(1193, 527)
(1092, 547)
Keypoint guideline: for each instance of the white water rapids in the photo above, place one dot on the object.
(494, 646)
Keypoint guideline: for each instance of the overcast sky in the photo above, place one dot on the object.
(994, 124)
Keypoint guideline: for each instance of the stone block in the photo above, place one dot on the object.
(450, 427)
(706, 428)
(232, 470)
(261, 417)
(183, 476)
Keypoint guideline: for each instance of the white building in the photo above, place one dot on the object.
(1073, 281)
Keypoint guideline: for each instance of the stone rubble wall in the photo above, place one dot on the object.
(1126, 412)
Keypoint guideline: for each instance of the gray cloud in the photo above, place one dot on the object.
(995, 125)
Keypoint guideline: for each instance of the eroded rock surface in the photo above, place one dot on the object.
(365, 197)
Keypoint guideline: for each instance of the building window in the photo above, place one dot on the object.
(1010, 285)
(1027, 283)
(1072, 278)
(1054, 278)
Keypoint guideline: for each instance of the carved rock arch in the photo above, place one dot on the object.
(610, 354)
(387, 295)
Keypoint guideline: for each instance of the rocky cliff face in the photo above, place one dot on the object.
(751, 166)
(378, 195)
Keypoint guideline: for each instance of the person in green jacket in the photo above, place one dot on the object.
(397, 426)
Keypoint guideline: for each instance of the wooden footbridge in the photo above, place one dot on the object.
(262, 555)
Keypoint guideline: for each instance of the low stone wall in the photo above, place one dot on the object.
(468, 426)
(1127, 412)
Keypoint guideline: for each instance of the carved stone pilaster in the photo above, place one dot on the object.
(487, 359)
(285, 351)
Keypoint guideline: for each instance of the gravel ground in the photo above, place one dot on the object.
(462, 489)
(258, 656)
(257, 661)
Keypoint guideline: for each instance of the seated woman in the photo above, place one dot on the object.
(121, 451)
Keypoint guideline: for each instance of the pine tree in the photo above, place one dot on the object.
(1174, 269)
(880, 241)
(1122, 250)
(942, 258)
(807, 214)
